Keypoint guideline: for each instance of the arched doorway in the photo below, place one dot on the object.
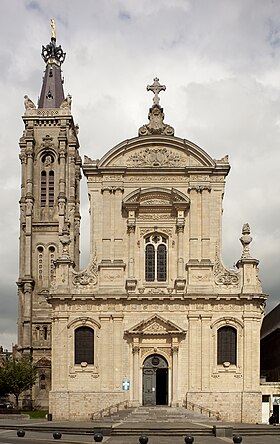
(155, 381)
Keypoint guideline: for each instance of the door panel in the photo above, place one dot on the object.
(149, 387)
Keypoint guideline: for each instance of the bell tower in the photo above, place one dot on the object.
(49, 208)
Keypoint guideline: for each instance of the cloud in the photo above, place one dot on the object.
(220, 61)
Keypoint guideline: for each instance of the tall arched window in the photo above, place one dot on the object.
(43, 188)
(51, 189)
(47, 181)
(84, 345)
(155, 258)
(227, 345)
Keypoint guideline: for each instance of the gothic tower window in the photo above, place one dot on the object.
(155, 258)
(43, 188)
(84, 345)
(227, 345)
(47, 182)
(51, 189)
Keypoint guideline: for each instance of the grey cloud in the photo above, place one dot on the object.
(220, 63)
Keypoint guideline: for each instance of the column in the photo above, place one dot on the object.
(135, 382)
(131, 240)
(194, 352)
(194, 225)
(62, 183)
(205, 223)
(205, 351)
(117, 352)
(118, 225)
(27, 314)
(106, 352)
(28, 209)
(247, 352)
(174, 350)
(106, 236)
(180, 224)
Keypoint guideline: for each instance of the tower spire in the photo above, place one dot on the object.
(52, 93)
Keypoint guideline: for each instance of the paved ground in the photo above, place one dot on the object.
(9, 437)
(160, 423)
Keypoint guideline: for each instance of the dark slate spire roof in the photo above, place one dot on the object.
(52, 93)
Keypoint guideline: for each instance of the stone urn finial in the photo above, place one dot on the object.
(245, 240)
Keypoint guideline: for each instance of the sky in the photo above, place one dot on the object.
(220, 62)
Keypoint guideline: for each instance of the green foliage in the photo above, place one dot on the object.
(17, 375)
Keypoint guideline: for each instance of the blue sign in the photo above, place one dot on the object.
(125, 385)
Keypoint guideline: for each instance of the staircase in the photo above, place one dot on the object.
(159, 420)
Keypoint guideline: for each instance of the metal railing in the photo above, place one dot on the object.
(107, 411)
(202, 410)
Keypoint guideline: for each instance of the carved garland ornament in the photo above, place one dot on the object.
(158, 157)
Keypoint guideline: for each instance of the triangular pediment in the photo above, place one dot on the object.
(43, 362)
(156, 325)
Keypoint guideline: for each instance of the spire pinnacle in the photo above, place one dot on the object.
(53, 35)
(52, 53)
(52, 94)
(156, 115)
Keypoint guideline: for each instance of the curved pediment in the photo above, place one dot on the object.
(156, 152)
(156, 196)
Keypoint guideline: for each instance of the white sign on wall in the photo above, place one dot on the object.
(125, 385)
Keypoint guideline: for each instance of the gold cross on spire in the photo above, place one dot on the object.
(53, 35)
(156, 87)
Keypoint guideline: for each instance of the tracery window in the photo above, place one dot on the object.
(84, 345)
(227, 345)
(155, 258)
(47, 181)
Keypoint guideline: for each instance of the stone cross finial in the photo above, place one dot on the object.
(156, 87)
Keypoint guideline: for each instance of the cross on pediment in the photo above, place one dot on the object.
(156, 87)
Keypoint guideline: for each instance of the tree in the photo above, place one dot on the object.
(17, 375)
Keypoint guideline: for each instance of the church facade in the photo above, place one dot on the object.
(155, 318)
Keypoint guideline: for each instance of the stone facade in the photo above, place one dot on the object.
(155, 290)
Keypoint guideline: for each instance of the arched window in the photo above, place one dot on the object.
(155, 258)
(40, 252)
(51, 189)
(227, 345)
(42, 382)
(47, 181)
(43, 188)
(84, 345)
